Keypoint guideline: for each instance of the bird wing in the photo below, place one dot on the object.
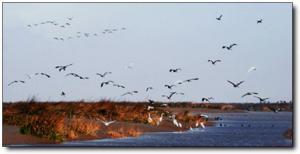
(240, 83)
(111, 122)
(218, 60)
(245, 94)
(231, 82)
(12, 83)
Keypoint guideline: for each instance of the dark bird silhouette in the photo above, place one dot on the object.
(151, 101)
(76, 75)
(118, 85)
(63, 93)
(56, 38)
(70, 18)
(220, 17)
(235, 85)
(259, 21)
(62, 26)
(106, 83)
(68, 24)
(189, 80)
(28, 25)
(86, 34)
(175, 70)
(130, 93)
(229, 47)
(214, 62)
(123, 28)
(171, 94)
(261, 99)
(44, 74)
(16, 81)
(249, 93)
(149, 88)
(63, 67)
(207, 99)
(169, 86)
(104, 74)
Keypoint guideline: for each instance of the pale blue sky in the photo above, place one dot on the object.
(158, 36)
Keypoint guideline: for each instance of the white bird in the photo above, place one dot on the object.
(202, 125)
(191, 128)
(107, 123)
(179, 124)
(150, 108)
(161, 117)
(175, 121)
(149, 118)
(251, 69)
(197, 124)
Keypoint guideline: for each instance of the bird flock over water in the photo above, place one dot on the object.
(64, 68)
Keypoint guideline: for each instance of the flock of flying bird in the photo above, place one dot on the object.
(61, 68)
(78, 34)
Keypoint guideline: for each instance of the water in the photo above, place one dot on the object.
(238, 129)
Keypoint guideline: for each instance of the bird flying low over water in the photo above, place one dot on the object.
(235, 85)
(175, 70)
(229, 47)
(259, 21)
(169, 86)
(207, 99)
(251, 69)
(249, 93)
(118, 85)
(16, 81)
(130, 93)
(63, 67)
(44, 74)
(214, 61)
(107, 123)
(220, 17)
(149, 88)
(104, 74)
(106, 83)
(261, 99)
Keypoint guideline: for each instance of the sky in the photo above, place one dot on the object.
(158, 36)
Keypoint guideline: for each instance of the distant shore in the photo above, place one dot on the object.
(53, 123)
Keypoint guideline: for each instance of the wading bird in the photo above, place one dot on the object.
(16, 81)
(235, 85)
(149, 118)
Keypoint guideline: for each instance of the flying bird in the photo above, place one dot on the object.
(44, 74)
(105, 83)
(70, 18)
(118, 85)
(107, 123)
(229, 47)
(261, 99)
(76, 75)
(16, 81)
(63, 93)
(175, 70)
(104, 74)
(189, 80)
(207, 99)
(129, 93)
(251, 69)
(259, 21)
(149, 88)
(169, 86)
(63, 67)
(171, 94)
(235, 85)
(220, 17)
(214, 61)
(249, 93)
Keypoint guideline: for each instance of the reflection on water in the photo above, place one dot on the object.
(236, 129)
